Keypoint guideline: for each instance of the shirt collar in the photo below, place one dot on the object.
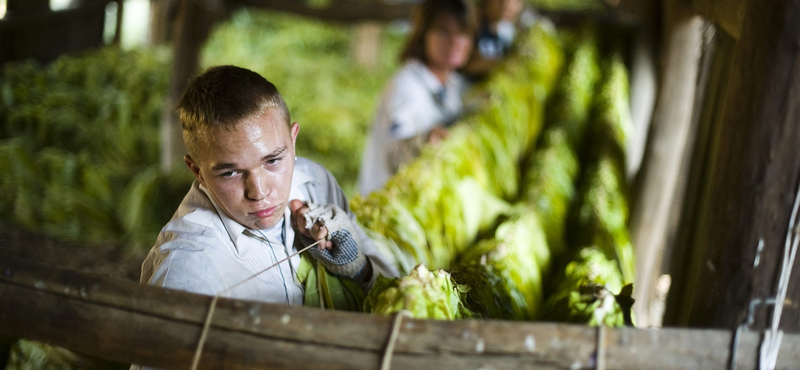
(235, 229)
(428, 78)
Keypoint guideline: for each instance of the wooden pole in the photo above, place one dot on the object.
(162, 15)
(672, 128)
(118, 26)
(365, 44)
(727, 15)
(122, 321)
(194, 22)
(750, 178)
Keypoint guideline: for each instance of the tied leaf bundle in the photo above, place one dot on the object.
(551, 171)
(505, 273)
(586, 294)
(425, 294)
(324, 290)
(593, 290)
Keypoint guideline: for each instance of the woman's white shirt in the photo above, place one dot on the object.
(409, 108)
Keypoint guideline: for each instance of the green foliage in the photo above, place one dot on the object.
(79, 139)
(568, 5)
(323, 290)
(332, 98)
(602, 254)
(31, 355)
(423, 293)
(505, 272)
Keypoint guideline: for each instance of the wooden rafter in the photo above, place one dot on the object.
(337, 10)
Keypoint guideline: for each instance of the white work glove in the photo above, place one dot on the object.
(344, 255)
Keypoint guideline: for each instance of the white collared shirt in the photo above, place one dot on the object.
(408, 108)
(202, 250)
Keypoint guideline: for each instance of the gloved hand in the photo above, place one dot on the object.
(344, 255)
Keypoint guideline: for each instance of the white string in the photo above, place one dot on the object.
(771, 344)
(199, 351)
(387, 355)
(600, 361)
(751, 312)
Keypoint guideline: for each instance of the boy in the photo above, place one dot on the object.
(237, 218)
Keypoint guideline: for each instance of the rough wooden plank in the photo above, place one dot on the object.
(728, 15)
(670, 134)
(751, 177)
(125, 322)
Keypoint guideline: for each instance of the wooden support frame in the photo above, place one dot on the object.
(126, 322)
(195, 19)
(749, 179)
(728, 15)
(671, 135)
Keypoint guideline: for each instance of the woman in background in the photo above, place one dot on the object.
(424, 97)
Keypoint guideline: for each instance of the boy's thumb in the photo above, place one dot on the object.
(295, 204)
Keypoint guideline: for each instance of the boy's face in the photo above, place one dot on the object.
(248, 170)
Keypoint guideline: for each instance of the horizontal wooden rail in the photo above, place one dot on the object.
(123, 321)
(338, 10)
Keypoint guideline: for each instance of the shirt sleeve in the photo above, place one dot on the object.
(187, 269)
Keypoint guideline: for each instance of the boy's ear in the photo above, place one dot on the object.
(294, 130)
(195, 168)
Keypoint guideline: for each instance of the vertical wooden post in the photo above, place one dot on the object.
(366, 44)
(750, 178)
(118, 26)
(671, 131)
(162, 15)
(194, 22)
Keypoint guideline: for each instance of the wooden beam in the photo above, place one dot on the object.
(750, 178)
(670, 139)
(126, 322)
(45, 35)
(162, 15)
(338, 10)
(725, 14)
(365, 44)
(683, 259)
(195, 20)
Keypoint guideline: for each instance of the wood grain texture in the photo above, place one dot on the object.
(728, 15)
(660, 180)
(750, 177)
(126, 322)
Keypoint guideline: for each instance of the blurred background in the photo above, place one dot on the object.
(84, 90)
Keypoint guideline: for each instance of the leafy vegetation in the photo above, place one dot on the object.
(79, 140)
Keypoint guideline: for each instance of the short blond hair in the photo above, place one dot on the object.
(223, 96)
